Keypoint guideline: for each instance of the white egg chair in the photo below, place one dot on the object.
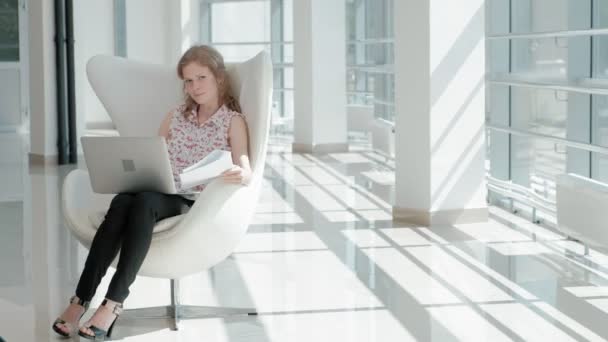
(137, 96)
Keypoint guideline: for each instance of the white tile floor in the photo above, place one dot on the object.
(322, 262)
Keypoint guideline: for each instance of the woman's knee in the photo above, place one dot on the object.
(145, 203)
(122, 199)
(146, 198)
(119, 207)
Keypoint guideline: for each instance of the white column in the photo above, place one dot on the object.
(319, 76)
(190, 23)
(183, 29)
(148, 30)
(439, 98)
(43, 97)
(174, 25)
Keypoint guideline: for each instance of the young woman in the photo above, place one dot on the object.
(209, 119)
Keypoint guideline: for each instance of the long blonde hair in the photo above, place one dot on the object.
(209, 57)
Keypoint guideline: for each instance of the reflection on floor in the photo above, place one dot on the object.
(322, 261)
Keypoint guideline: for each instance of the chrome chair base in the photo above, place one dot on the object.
(177, 312)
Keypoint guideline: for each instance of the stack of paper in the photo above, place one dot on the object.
(207, 169)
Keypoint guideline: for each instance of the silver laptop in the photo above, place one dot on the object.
(128, 164)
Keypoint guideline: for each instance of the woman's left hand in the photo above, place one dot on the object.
(237, 175)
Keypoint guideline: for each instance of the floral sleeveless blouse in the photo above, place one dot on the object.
(189, 142)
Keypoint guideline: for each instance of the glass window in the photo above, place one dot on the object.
(547, 15)
(532, 154)
(599, 162)
(540, 111)
(540, 58)
(600, 43)
(120, 28)
(242, 21)
(536, 163)
(241, 29)
(369, 56)
(288, 21)
(599, 123)
(9, 30)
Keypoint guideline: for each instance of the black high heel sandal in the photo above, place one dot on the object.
(100, 334)
(73, 300)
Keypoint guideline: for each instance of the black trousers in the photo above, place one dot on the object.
(127, 227)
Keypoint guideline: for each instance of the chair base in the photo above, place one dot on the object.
(177, 312)
(182, 312)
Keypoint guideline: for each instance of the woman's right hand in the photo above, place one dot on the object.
(237, 175)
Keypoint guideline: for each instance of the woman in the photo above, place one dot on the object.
(209, 119)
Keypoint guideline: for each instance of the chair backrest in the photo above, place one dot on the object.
(138, 95)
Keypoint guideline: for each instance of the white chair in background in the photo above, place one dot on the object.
(137, 96)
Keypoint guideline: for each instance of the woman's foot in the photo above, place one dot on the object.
(67, 323)
(103, 318)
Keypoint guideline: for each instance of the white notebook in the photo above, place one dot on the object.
(207, 169)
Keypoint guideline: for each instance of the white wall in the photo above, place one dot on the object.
(94, 34)
(93, 26)
(158, 31)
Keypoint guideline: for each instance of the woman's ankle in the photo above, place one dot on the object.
(111, 303)
(106, 313)
(75, 299)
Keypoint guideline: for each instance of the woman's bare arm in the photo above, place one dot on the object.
(239, 143)
(163, 130)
